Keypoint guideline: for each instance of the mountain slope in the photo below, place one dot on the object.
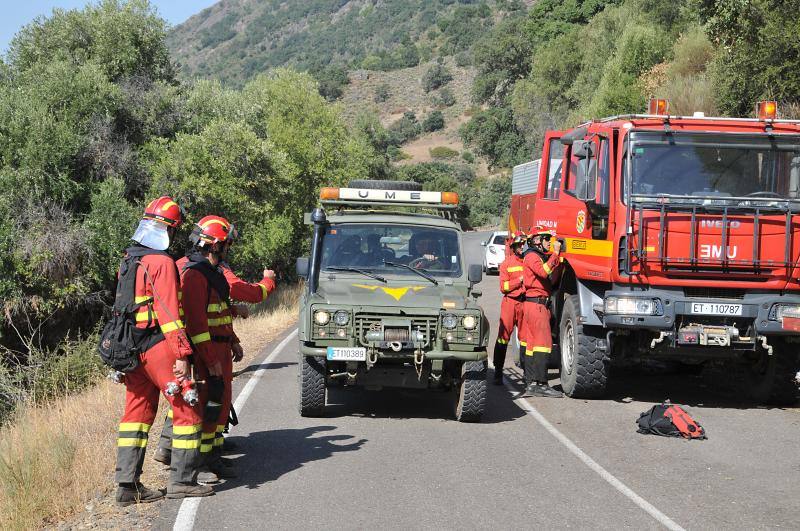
(236, 39)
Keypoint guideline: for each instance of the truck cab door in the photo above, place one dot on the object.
(550, 171)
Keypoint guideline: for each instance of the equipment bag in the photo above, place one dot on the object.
(670, 421)
(121, 341)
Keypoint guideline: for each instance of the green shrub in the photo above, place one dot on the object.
(446, 97)
(381, 93)
(442, 152)
(405, 129)
(468, 156)
(436, 76)
(433, 122)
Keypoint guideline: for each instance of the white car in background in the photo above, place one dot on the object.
(495, 251)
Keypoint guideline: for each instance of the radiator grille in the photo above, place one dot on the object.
(714, 293)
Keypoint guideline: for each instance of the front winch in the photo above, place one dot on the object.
(705, 335)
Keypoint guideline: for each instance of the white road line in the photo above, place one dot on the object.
(184, 521)
(665, 520)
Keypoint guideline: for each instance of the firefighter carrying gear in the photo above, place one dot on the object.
(157, 284)
(511, 307)
(541, 273)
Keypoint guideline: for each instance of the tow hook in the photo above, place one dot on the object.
(660, 339)
(419, 359)
(766, 345)
(372, 358)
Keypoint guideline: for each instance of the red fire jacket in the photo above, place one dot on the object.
(540, 276)
(247, 292)
(511, 278)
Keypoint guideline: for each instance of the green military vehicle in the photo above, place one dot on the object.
(389, 299)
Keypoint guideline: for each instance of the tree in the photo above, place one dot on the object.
(433, 122)
(436, 76)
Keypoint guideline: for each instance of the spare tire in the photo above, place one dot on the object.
(364, 184)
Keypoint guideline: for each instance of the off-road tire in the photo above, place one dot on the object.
(365, 184)
(312, 387)
(584, 365)
(774, 382)
(471, 392)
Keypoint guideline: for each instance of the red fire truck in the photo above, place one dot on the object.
(682, 240)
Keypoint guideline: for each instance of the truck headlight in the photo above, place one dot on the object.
(322, 317)
(788, 310)
(341, 318)
(629, 306)
(469, 322)
(449, 321)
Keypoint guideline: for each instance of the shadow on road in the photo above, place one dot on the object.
(400, 404)
(254, 367)
(268, 455)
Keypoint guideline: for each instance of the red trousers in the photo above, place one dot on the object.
(144, 386)
(212, 437)
(511, 315)
(536, 328)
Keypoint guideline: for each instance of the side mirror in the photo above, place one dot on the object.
(301, 267)
(586, 178)
(483, 243)
(475, 273)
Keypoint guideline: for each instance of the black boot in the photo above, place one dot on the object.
(543, 390)
(131, 493)
(499, 361)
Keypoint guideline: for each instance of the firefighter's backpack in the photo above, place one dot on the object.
(670, 421)
(121, 341)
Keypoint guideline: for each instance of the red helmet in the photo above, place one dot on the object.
(214, 229)
(164, 210)
(540, 230)
(517, 238)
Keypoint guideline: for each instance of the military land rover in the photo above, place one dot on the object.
(389, 299)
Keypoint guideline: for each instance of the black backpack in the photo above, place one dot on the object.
(670, 421)
(121, 341)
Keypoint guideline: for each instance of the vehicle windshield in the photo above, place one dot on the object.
(367, 247)
(499, 239)
(719, 166)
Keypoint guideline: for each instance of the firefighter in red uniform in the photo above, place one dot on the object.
(511, 309)
(540, 274)
(241, 291)
(166, 359)
(209, 317)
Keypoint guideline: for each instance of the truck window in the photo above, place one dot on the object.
(553, 185)
(603, 173)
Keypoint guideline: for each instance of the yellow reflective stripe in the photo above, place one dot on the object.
(219, 441)
(169, 413)
(220, 321)
(131, 441)
(184, 444)
(540, 349)
(502, 341)
(180, 311)
(180, 295)
(143, 315)
(522, 343)
(506, 286)
(264, 291)
(134, 426)
(220, 428)
(201, 338)
(171, 327)
(207, 436)
(217, 307)
(187, 430)
(546, 268)
(206, 448)
(142, 298)
(514, 269)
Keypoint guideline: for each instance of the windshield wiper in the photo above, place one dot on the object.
(417, 271)
(357, 270)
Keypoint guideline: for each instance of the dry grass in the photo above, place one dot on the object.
(56, 459)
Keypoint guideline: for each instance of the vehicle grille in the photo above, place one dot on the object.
(366, 322)
(714, 293)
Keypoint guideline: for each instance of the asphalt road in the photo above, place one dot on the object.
(396, 460)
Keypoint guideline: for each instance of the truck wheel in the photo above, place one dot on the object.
(772, 379)
(584, 368)
(312, 387)
(471, 392)
(365, 184)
